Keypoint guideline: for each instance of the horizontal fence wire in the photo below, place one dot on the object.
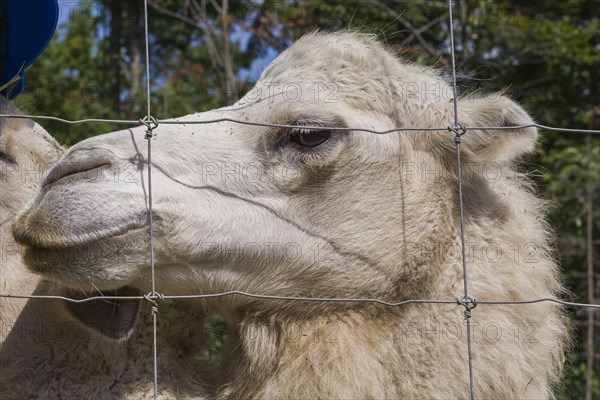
(139, 123)
(159, 296)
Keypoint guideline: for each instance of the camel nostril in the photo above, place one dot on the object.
(77, 166)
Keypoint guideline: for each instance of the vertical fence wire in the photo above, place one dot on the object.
(459, 130)
(149, 135)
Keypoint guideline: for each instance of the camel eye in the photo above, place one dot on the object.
(5, 157)
(310, 138)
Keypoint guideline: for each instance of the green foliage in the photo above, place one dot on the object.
(573, 388)
(216, 334)
(66, 82)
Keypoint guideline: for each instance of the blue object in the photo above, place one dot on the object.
(30, 24)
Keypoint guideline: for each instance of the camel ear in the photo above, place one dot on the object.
(114, 319)
(499, 144)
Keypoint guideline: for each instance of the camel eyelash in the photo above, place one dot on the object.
(305, 146)
(314, 135)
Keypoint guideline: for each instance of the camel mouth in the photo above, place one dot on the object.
(36, 241)
(108, 263)
(67, 244)
(36, 253)
(40, 230)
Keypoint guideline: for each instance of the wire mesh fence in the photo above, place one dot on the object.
(456, 128)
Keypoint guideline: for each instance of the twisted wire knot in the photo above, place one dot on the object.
(152, 297)
(151, 124)
(469, 303)
(459, 130)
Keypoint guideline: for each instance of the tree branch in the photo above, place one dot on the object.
(408, 25)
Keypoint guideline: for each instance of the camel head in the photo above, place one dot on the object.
(26, 151)
(277, 210)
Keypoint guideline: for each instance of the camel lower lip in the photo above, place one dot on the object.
(40, 258)
(43, 239)
(92, 263)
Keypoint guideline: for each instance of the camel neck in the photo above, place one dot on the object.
(314, 358)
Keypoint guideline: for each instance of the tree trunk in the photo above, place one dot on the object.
(135, 44)
(230, 89)
(116, 10)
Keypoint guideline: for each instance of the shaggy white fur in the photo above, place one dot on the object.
(321, 213)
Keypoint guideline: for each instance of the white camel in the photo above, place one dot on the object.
(319, 212)
(101, 350)
(26, 151)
